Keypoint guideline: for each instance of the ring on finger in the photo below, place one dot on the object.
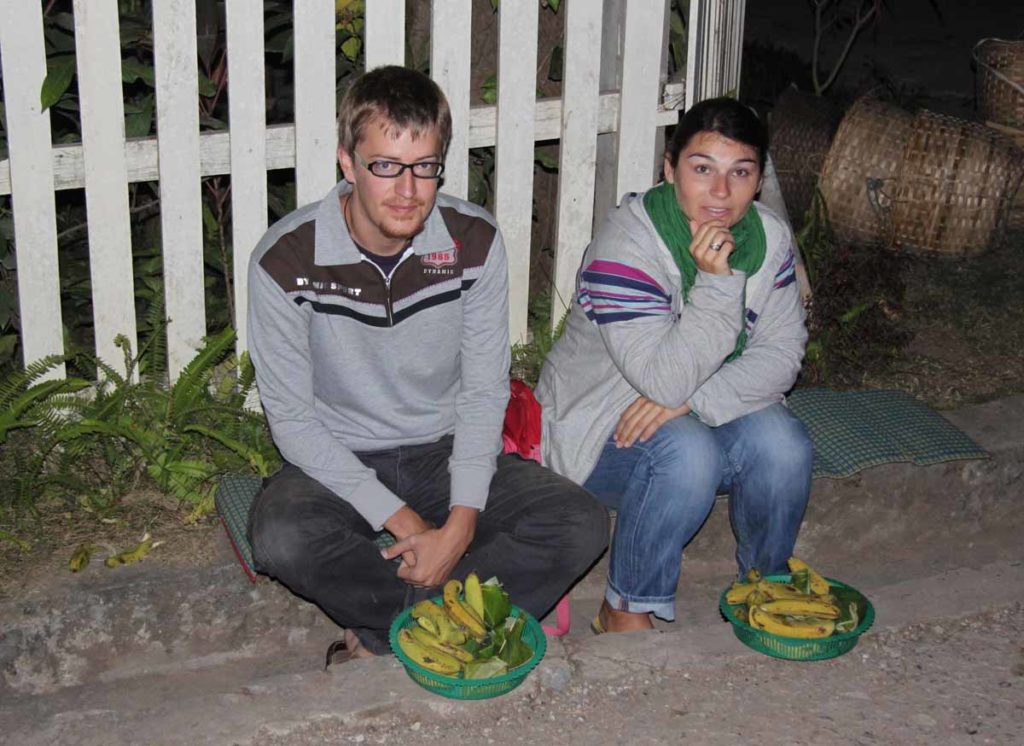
(717, 246)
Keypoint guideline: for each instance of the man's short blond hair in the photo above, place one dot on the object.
(402, 99)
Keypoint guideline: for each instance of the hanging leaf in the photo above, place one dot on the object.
(351, 46)
(59, 72)
(489, 90)
(546, 161)
(207, 87)
(138, 120)
(553, 4)
(132, 70)
(557, 64)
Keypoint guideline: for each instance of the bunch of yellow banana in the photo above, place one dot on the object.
(783, 608)
(442, 630)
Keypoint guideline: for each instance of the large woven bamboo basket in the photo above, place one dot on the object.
(860, 173)
(999, 80)
(802, 126)
(957, 186)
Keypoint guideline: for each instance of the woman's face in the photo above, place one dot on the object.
(715, 178)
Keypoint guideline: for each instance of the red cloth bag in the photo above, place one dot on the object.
(521, 432)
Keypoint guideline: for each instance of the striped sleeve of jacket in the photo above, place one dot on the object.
(610, 291)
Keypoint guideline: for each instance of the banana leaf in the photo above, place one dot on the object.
(485, 669)
(497, 605)
(514, 651)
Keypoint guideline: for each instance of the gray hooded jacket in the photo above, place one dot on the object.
(628, 334)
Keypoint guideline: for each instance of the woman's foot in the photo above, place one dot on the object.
(613, 620)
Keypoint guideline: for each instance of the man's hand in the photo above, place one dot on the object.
(641, 419)
(402, 524)
(429, 556)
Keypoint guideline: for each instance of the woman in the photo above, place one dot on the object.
(668, 383)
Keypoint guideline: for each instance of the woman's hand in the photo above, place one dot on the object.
(642, 419)
(711, 246)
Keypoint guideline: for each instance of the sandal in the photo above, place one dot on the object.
(338, 652)
(596, 627)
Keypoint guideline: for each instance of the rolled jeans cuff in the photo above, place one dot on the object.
(663, 608)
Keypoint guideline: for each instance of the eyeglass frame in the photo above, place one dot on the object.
(412, 166)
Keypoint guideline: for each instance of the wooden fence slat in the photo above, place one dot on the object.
(385, 33)
(181, 209)
(31, 176)
(106, 181)
(316, 131)
(215, 149)
(641, 72)
(513, 168)
(715, 48)
(247, 118)
(578, 151)
(450, 33)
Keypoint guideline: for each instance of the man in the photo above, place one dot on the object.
(378, 325)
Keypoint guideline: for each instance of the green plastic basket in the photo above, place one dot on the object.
(792, 649)
(459, 688)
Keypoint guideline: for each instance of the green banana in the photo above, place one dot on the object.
(474, 594)
(784, 627)
(435, 619)
(462, 614)
(817, 582)
(428, 657)
(801, 607)
(432, 641)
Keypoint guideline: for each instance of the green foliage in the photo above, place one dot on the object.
(855, 320)
(528, 357)
(135, 429)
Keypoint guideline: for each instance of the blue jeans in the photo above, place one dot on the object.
(663, 491)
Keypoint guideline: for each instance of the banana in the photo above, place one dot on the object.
(474, 594)
(779, 591)
(753, 575)
(430, 658)
(432, 641)
(790, 628)
(435, 619)
(738, 592)
(818, 583)
(801, 607)
(462, 614)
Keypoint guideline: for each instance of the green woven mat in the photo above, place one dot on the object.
(234, 496)
(855, 430)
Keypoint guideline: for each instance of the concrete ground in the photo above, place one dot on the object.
(199, 655)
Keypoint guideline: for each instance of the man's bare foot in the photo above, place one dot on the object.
(613, 620)
(355, 647)
(345, 649)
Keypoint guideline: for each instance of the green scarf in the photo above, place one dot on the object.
(674, 229)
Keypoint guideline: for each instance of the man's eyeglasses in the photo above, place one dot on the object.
(394, 169)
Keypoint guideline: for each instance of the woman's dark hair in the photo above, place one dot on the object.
(726, 116)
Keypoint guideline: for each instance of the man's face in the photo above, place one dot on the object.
(384, 214)
(715, 178)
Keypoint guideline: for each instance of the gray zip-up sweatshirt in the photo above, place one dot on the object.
(629, 334)
(349, 360)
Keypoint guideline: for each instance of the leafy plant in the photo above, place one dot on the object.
(855, 319)
(528, 357)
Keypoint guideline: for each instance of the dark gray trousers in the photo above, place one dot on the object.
(538, 534)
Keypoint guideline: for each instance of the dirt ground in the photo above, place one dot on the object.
(958, 682)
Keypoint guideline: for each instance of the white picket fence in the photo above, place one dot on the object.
(104, 163)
